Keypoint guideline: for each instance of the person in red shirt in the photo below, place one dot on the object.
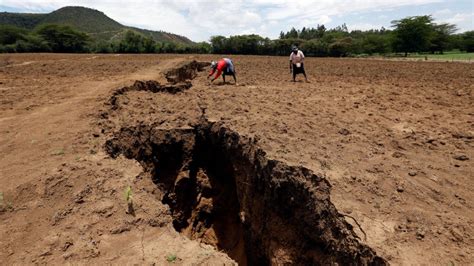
(225, 66)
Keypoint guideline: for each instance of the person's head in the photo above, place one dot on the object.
(294, 49)
(213, 64)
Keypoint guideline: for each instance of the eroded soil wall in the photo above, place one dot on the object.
(223, 191)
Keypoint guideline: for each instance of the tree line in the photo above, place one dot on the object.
(419, 34)
(65, 39)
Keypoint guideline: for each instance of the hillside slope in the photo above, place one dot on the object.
(95, 23)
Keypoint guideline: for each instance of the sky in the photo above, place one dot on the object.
(201, 19)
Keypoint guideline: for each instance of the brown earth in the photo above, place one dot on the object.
(390, 142)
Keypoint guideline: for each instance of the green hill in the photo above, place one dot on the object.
(95, 23)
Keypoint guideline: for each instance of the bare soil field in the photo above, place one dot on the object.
(369, 163)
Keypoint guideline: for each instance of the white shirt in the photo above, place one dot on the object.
(297, 58)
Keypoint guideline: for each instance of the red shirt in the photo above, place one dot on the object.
(221, 65)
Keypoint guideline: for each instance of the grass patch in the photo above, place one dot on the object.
(4, 206)
(446, 56)
(129, 200)
(58, 152)
(171, 258)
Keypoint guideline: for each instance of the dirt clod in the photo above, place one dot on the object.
(412, 173)
(461, 157)
(344, 131)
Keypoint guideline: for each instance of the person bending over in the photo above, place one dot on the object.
(225, 66)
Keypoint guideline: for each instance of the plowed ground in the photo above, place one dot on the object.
(394, 139)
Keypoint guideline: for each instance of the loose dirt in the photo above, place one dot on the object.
(371, 162)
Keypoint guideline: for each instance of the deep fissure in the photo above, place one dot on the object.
(179, 80)
(223, 191)
(203, 200)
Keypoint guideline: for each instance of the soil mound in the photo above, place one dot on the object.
(185, 71)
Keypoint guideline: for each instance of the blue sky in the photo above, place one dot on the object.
(200, 19)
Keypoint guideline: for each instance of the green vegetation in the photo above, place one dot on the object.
(466, 41)
(453, 55)
(58, 152)
(129, 200)
(95, 23)
(412, 35)
(83, 19)
(421, 34)
(128, 194)
(4, 206)
(77, 29)
(171, 258)
(27, 21)
(65, 39)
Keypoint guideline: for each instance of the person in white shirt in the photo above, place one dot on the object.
(297, 63)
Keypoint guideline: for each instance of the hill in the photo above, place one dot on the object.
(95, 23)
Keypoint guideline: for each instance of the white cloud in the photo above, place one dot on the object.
(442, 12)
(364, 26)
(200, 19)
(464, 21)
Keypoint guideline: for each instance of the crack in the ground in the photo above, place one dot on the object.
(222, 190)
(185, 71)
(179, 79)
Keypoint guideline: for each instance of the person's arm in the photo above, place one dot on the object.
(219, 72)
(291, 60)
(212, 72)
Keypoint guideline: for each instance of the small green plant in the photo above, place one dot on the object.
(128, 194)
(171, 258)
(129, 200)
(4, 206)
(58, 152)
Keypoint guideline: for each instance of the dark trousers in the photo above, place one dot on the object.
(298, 70)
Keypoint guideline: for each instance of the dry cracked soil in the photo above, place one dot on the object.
(138, 159)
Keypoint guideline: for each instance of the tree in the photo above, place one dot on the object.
(467, 41)
(32, 43)
(341, 47)
(413, 34)
(102, 47)
(131, 43)
(293, 33)
(282, 35)
(10, 34)
(320, 30)
(442, 37)
(375, 43)
(169, 47)
(218, 44)
(315, 48)
(149, 45)
(63, 38)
